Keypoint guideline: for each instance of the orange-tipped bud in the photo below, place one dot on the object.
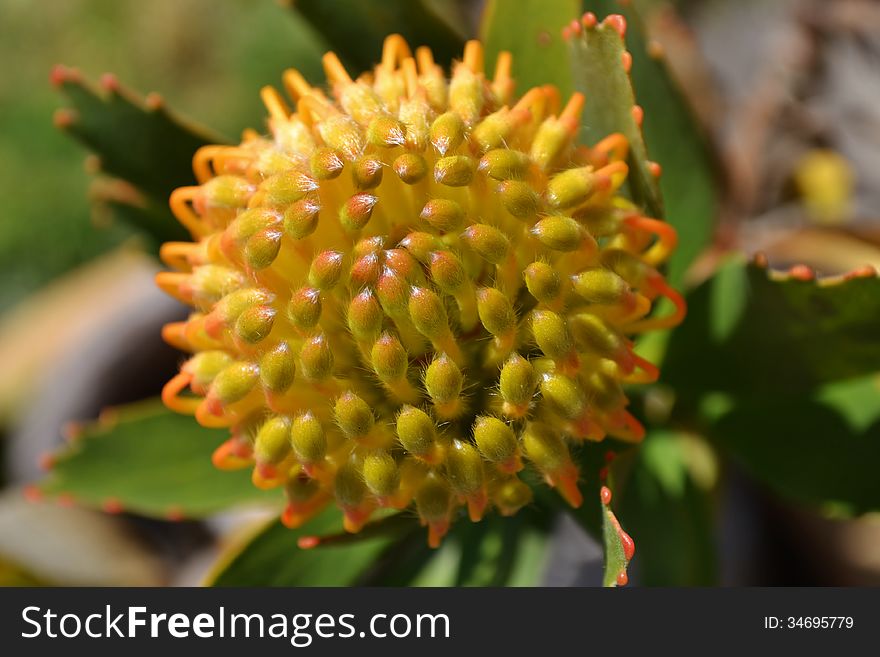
(325, 164)
(454, 171)
(326, 270)
(542, 282)
(316, 358)
(490, 243)
(443, 215)
(510, 495)
(304, 309)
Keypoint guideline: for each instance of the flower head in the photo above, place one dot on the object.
(412, 289)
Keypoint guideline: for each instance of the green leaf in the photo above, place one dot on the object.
(272, 556)
(811, 450)
(531, 31)
(597, 64)
(615, 552)
(669, 512)
(754, 333)
(138, 141)
(355, 29)
(150, 461)
(689, 183)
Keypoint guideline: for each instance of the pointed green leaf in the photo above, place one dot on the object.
(272, 556)
(142, 142)
(689, 182)
(597, 58)
(752, 333)
(531, 30)
(138, 141)
(355, 29)
(668, 510)
(150, 461)
(821, 451)
(615, 551)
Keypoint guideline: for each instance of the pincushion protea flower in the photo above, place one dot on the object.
(412, 289)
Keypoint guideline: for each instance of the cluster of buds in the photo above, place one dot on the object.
(411, 290)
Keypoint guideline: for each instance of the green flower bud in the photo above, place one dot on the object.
(304, 309)
(301, 218)
(366, 172)
(255, 323)
(564, 395)
(316, 358)
(228, 192)
(443, 215)
(386, 132)
(495, 440)
(517, 384)
(307, 438)
(570, 189)
(278, 368)
(417, 433)
(454, 170)
(493, 130)
(231, 306)
(355, 213)
(325, 164)
(342, 134)
(210, 283)
(443, 381)
(389, 359)
(545, 448)
(592, 334)
(543, 282)
(262, 248)
(560, 233)
(235, 381)
(326, 270)
(381, 474)
(272, 444)
(365, 316)
(551, 334)
(510, 495)
(353, 415)
(447, 271)
(428, 313)
(464, 467)
(519, 199)
(447, 132)
(206, 365)
(490, 243)
(349, 485)
(495, 311)
(601, 286)
(504, 164)
(410, 168)
(421, 245)
(433, 498)
(287, 187)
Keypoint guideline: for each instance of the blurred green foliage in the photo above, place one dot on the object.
(207, 59)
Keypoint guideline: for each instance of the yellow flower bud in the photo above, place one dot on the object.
(454, 170)
(306, 436)
(497, 443)
(272, 443)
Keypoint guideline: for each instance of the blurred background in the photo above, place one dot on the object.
(786, 93)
